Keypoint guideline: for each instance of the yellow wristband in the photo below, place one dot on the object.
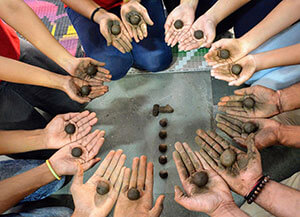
(52, 170)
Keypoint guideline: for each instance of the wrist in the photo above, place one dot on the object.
(99, 15)
(224, 209)
(46, 175)
(80, 213)
(190, 3)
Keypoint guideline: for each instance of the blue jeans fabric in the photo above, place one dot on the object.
(42, 212)
(279, 77)
(151, 54)
(10, 168)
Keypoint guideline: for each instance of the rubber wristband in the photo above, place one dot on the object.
(52, 170)
(93, 14)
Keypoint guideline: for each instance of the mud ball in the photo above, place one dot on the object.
(92, 70)
(70, 128)
(163, 134)
(102, 188)
(198, 34)
(163, 159)
(178, 24)
(133, 194)
(250, 127)
(115, 29)
(200, 179)
(236, 69)
(163, 122)
(163, 174)
(76, 152)
(134, 19)
(163, 148)
(228, 157)
(155, 110)
(224, 54)
(249, 103)
(85, 90)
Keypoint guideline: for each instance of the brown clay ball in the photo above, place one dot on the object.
(200, 178)
(163, 148)
(163, 134)
(250, 127)
(178, 24)
(134, 19)
(85, 90)
(102, 188)
(70, 128)
(163, 122)
(133, 194)
(163, 174)
(155, 110)
(198, 34)
(76, 152)
(163, 159)
(249, 103)
(236, 69)
(115, 29)
(228, 157)
(224, 54)
(92, 70)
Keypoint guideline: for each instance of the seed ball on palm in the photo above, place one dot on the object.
(92, 70)
(200, 179)
(178, 24)
(198, 34)
(76, 152)
(163, 174)
(85, 90)
(249, 103)
(70, 128)
(102, 188)
(224, 54)
(250, 127)
(133, 194)
(236, 69)
(116, 29)
(228, 157)
(135, 19)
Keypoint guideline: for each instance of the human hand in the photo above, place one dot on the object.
(246, 170)
(72, 87)
(184, 12)
(64, 163)
(86, 199)
(137, 31)
(207, 26)
(55, 134)
(266, 132)
(212, 197)
(142, 179)
(267, 103)
(224, 71)
(236, 47)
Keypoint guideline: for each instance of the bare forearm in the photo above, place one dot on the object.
(279, 57)
(18, 72)
(193, 3)
(285, 14)
(83, 7)
(21, 17)
(18, 141)
(18, 187)
(289, 136)
(230, 210)
(280, 200)
(290, 98)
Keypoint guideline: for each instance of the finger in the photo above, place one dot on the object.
(105, 163)
(104, 31)
(143, 28)
(78, 177)
(168, 35)
(244, 91)
(250, 142)
(225, 118)
(233, 112)
(128, 27)
(86, 140)
(119, 181)
(182, 172)
(229, 131)
(83, 131)
(208, 159)
(213, 147)
(149, 178)
(89, 164)
(140, 33)
(231, 104)
(168, 24)
(112, 164)
(219, 139)
(134, 174)
(174, 39)
(232, 98)
(206, 166)
(196, 163)
(116, 173)
(126, 179)
(185, 158)
(124, 45)
(142, 172)
(76, 118)
(85, 119)
(158, 207)
(117, 45)
(127, 42)
(96, 148)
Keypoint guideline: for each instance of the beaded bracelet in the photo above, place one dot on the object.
(257, 189)
(52, 170)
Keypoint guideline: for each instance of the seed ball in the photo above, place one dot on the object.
(92, 70)
(70, 128)
(163, 159)
(85, 90)
(76, 152)
(200, 179)
(134, 19)
(133, 194)
(163, 148)
(115, 29)
(163, 174)
(236, 69)
(163, 134)
(228, 157)
(224, 54)
(249, 103)
(163, 122)
(155, 110)
(250, 127)
(198, 34)
(102, 188)
(178, 24)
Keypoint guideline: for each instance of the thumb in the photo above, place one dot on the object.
(244, 91)
(180, 197)
(147, 19)
(158, 207)
(106, 34)
(78, 177)
(251, 148)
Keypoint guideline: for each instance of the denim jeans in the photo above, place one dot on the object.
(151, 54)
(42, 212)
